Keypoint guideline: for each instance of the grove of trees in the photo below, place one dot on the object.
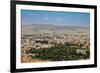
(59, 53)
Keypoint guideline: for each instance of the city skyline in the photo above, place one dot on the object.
(56, 18)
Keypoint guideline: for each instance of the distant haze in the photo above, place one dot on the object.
(30, 17)
(40, 28)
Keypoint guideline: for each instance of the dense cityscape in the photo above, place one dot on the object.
(31, 43)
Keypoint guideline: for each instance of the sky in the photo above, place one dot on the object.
(29, 17)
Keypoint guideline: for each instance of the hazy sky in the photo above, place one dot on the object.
(57, 18)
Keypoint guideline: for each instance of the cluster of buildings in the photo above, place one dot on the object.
(44, 41)
(39, 41)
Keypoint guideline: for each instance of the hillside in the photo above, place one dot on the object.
(36, 28)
